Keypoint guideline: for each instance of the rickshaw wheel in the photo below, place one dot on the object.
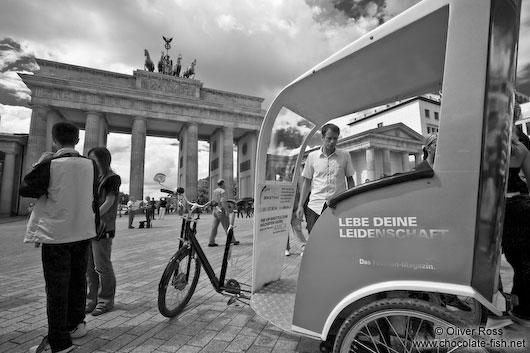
(178, 282)
(402, 325)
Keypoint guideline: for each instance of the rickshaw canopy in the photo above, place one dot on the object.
(352, 77)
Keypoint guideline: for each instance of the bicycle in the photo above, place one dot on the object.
(181, 274)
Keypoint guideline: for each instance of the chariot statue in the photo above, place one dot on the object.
(148, 65)
(190, 71)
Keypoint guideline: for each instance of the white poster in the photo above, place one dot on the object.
(273, 211)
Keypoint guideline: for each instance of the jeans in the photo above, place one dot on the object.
(312, 217)
(162, 212)
(131, 217)
(296, 225)
(64, 267)
(516, 247)
(100, 276)
(219, 216)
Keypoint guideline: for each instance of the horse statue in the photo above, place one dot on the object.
(178, 66)
(190, 71)
(161, 63)
(148, 65)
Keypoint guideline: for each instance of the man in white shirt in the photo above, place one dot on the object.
(328, 171)
(133, 207)
(221, 212)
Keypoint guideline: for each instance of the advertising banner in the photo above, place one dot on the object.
(273, 210)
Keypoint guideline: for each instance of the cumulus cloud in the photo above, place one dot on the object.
(245, 46)
(14, 58)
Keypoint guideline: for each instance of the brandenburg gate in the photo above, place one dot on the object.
(147, 104)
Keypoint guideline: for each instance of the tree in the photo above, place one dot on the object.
(203, 190)
(124, 198)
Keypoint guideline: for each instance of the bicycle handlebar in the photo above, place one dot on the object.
(194, 205)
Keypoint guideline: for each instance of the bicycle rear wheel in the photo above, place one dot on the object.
(404, 325)
(178, 282)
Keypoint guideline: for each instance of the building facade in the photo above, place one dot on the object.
(421, 114)
(142, 104)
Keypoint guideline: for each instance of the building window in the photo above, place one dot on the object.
(379, 124)
(427, 113)
(436, 116)
(428, 130)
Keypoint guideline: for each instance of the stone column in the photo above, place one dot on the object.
(228, 161)
(191, 161)
(8, 179)
(37, 136)
(91, 131)
(387, 164)
(103, 132)
(370, 164)
(52, 118)
(405, 163)
(136, 181)
(417, 158)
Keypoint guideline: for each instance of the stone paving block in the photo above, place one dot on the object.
(189, 349)
(202, 338)
(90, 346)
(148, 346)
(285, 345)
(266, 339)
(215, 346)
(228, 333)
(173, 344)
(258, 349)
(118, 343)
(308, 345)
(240, 344)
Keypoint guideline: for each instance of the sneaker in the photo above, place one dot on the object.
(44, 347)
(100, 310)
(79, 331)
(214, 244)
(287, 253)
(235, 242)
(131, 227)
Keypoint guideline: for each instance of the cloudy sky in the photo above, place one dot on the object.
(246, 46)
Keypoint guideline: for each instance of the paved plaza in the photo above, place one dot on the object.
(135, 325)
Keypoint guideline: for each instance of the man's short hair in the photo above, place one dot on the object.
(331, 127)
(220, 182)
(65, 133)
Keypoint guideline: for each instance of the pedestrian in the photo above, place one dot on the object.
(132, 207)
(163, 205)
(328, 171)
(64, 220)
(149, 208)
(101, 279)
(515, 240)
(221, 212)
(30, 208)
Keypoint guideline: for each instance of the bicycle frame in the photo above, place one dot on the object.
(189, 231)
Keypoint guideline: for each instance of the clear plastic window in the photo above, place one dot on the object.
(288, 134)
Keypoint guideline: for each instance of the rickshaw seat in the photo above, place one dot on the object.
(390, 180)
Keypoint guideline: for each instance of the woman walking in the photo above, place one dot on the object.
(101, 281)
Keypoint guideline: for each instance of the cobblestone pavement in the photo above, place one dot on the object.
(208, 324)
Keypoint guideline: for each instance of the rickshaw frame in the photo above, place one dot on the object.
(458, 56)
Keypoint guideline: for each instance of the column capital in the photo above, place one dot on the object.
(100, 114)
(39, 106)
(138, 117)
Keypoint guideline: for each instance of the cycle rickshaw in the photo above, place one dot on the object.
(381, 255)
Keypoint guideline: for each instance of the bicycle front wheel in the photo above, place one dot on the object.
(178, 282)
